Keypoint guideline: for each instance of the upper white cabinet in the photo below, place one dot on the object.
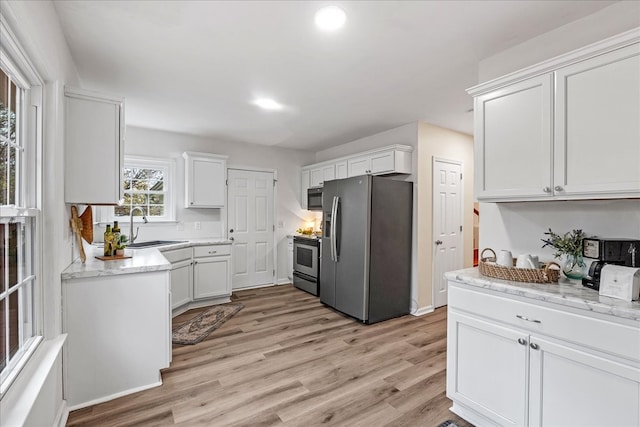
(93, 147)
(597, 127)
(320, 174)
(304, 186)
(341, 169)
(568, 128)
(205, 180)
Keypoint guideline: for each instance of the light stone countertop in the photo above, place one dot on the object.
(565, 292)
(141, 261)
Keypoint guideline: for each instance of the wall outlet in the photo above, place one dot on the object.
(197, 225)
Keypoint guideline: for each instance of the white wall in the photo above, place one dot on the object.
(287, 163)
(607, 22)
(37, 393)
(520, 226)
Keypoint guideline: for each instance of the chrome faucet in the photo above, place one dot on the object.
(133, 238)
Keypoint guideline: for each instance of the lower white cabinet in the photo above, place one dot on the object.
(200, 276)
(119, 335)
(529, 364)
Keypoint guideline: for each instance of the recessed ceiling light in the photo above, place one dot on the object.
(330, 18)
(267, 104)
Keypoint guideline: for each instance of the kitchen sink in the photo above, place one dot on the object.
(154, 243)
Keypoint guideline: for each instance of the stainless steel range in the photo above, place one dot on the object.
(306, 264)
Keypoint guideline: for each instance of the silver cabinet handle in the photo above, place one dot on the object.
(213, 252)
(522, 341)
(231, 230)
(534, 346)
(547, 189)
(438, 242)
(231, 238)
(558, 188)
(527, 319)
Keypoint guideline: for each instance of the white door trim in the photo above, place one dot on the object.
(275, 209)
(462, 206)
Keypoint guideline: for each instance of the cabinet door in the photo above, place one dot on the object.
(382, 162)
(304, 186)
(315, 176)
(93, 149)
(571, 387)
(341, 170)
(328, 173)
(359, 166)
(205, 182)
(597, 127)
(211, 278)
(513, 141)
(181, 283)
(487, 368)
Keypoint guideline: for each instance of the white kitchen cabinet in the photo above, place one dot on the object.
(94, 150)
(379, 163)
(119, 335)
(181, 276)
(211, 271)
(290, 258)
(304, 186)
(319, 175)
(597, 125)
(513, 141)
(546, 362)
(342, 170)
(567, 128)
(205, 180)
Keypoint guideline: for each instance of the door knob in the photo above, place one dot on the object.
(558, 188)
(522, 341)
(534, 346)
(438, 242)
(547, 189)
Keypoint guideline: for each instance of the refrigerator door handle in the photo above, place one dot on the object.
(335, 228)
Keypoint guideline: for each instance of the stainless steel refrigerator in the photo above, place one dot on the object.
(365, 263)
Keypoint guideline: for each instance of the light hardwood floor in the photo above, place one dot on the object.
(287, 360)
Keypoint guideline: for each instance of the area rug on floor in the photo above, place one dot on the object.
(448, 423)
(198, 328)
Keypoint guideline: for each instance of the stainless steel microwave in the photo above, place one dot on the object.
(314, 199)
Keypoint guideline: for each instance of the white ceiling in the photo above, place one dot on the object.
(195, 66)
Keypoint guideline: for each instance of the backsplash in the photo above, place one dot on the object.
(520, 226)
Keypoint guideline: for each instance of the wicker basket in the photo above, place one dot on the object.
(488, 267)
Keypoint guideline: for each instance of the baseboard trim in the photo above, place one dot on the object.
(285, 281)
(424, 310)
(62, 416)
(115, 395)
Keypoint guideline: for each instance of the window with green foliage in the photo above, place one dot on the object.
(20, 127)
(146, 185)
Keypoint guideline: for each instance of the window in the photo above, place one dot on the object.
(20, 128)
(146, 183)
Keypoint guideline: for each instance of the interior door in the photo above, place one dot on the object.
(447, 224)
(251, 226)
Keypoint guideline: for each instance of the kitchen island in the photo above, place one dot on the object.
(541, 354)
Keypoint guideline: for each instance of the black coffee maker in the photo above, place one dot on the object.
(624, 252)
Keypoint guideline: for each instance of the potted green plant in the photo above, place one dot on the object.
(570, 245)
(120, 245)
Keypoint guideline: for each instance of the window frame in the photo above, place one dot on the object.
(168, 165)
(29, 199)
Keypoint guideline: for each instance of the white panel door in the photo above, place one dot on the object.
(251, 226)
(447, 224)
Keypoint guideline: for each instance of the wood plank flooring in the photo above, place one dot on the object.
(287, 360)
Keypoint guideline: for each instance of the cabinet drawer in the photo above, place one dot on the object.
(212, 250)
(177, 255)
(603, 335)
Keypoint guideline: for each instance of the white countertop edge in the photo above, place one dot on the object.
(141, 261)
(567, 293)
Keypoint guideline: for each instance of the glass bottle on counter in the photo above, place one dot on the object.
(116, 237)
(109, 243)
